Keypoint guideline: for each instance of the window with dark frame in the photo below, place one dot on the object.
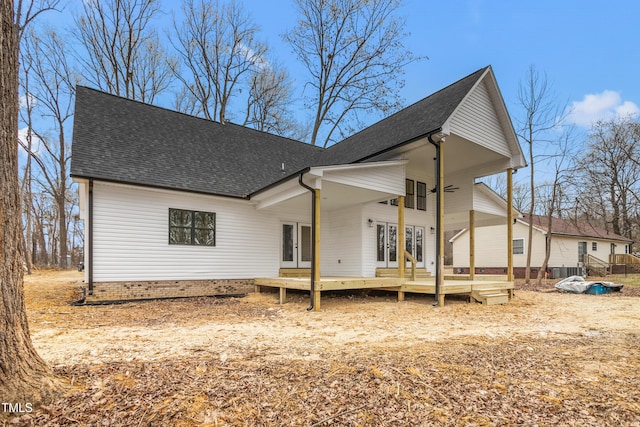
(409, 201)
(421, 196)
(594, 246)
(192, 227)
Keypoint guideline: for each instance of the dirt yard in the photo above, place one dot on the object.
(544, 359)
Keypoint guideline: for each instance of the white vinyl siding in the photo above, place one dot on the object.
(131, 237)
(341, 242)
(476, 120)
(389, 179)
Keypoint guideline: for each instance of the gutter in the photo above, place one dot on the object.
(313, 239)
(439, 208)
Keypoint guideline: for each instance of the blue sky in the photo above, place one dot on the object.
(589, 49)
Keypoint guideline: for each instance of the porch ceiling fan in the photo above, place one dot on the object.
(447, 189)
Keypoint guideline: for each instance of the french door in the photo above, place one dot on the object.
(387, 254)
(387, 245)
(295, 250)
(414, 242)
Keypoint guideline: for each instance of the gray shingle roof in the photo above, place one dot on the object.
(568, 227)
(418, 119)
(120, 140)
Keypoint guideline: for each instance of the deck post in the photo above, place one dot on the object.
(316, 257)
(400, 245)
(440, 261)
(510, 225)
(472, 245)
(283, 295)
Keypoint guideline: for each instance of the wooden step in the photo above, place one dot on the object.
(490, 297)
(295, 272)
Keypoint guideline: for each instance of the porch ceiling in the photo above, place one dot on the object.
(334, 196)
(460, 156)
(340, 186)
(459, 220)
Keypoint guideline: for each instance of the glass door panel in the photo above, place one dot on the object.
(419, 246)
(408, 239)
(392, 246)
(381, 245)
(304, 246)
(288, 255)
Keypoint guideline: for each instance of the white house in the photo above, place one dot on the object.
(575, 247)
(175, 205)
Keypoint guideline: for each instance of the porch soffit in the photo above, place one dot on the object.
(340, 185)
(489, 208)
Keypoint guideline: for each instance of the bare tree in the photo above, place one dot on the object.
(613, 175)
(268, 102)
(218, 47)
(354, 54)
(53, 89)
(123, 52)
(24, 376)
(542, 114)
(556, 195)
(26, 188)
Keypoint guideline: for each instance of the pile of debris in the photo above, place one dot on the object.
(578, 285)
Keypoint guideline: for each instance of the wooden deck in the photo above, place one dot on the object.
(485, 289)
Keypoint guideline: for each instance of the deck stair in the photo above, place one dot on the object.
(595, 266)
(421, 273)
(490, 297)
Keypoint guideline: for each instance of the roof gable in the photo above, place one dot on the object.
(416, 121)
(121, 140)
(482, 117)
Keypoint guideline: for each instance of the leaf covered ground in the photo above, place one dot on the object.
(544, 359)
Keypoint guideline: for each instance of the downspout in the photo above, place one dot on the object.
(313, 241)
(438, 211)
(90, 236)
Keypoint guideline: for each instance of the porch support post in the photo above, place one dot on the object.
(510, 225)
(472, 245)
(440, 276)
(316, 253)
(400, 246)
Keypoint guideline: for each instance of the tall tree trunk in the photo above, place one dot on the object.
(527, 270)
(547, 253)
(24, 376)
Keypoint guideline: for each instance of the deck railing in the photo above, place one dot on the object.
(596, 265)
(630, 262)
(623, 259)
(409, 257)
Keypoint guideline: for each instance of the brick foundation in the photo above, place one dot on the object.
(156, 289)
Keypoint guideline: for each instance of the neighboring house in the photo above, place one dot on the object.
(575, 247)
(175, 205)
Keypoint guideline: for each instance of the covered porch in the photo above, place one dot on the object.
(488, 290)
